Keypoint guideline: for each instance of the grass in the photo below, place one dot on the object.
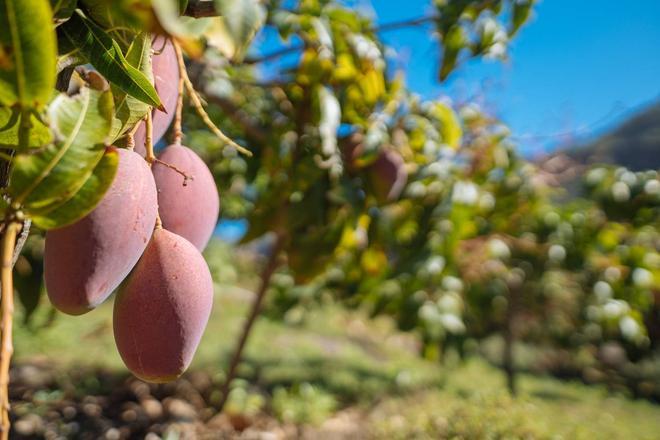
(473, 404)
(337, 350)
(365, 368)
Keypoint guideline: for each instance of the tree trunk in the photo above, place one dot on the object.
(269, 269)
(509, 341)
(13, 235)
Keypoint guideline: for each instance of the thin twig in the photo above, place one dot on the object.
(386, 27)
(178, 133)
(186, 177)
(7, 305)
(274, 55)
(197, 104)
(199, 107)
(254, 132)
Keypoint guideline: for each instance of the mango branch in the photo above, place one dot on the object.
(20, 241)
(199, 107)
(5, 170)
(178, 115)
(11, 248)
(7, 306)
(253, 130)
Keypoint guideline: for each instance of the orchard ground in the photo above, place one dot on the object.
(329, 373)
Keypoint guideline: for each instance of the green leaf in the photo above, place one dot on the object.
(520, 14)
(27, 53)
(449, 125)
(240, 22)
(105, 55)
(86, 199)
(28, 280)
(44, 180)
(63, 9)
(40, 135)
(120, 14)
(454, 41)
(128, 110)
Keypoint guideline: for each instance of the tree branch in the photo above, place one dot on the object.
(5, 171)
(386, 27)
(253, 130)
(7, 306)
(20, 241)
(273, 55)
(200, 8)
(381, 28)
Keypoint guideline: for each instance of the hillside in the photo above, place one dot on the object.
(634, 144)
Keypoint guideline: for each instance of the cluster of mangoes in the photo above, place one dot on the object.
(166, 292)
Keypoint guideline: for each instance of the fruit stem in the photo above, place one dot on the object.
(199, 107)
(130, 137)
(178, 133)
(149, 145)
(130, 142)
(7, 306)
(186, 177)
(151, 157)
(266, 274)
(162, 48)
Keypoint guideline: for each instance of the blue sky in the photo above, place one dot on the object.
(578, 68)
